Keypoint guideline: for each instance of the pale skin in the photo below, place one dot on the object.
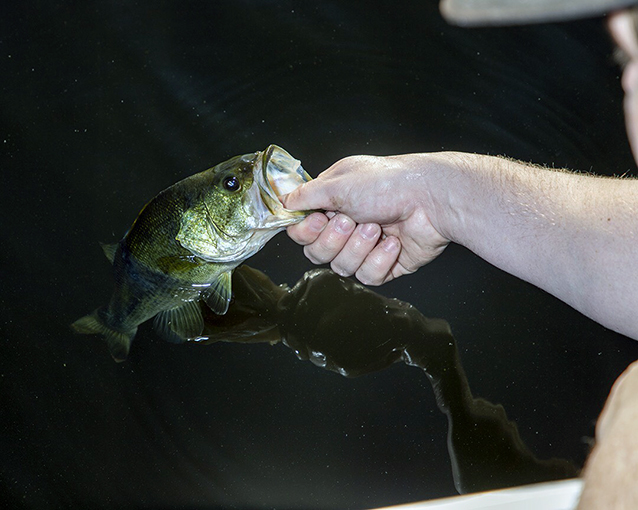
(573, 235)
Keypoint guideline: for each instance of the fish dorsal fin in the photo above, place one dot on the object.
(179, 324)
(218, 295)
(109, 250)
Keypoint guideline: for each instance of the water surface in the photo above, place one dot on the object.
(106, 103)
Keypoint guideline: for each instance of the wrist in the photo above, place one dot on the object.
(449, 190)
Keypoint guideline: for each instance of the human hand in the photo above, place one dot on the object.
(378, 223)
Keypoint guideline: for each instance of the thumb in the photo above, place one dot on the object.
(312, 195)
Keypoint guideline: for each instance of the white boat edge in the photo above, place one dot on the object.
(560, 495)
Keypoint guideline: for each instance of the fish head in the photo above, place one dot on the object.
(238, 210)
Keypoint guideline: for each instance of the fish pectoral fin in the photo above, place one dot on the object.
(109, 250)
(118, 342)
(179, 324)
(218, 295)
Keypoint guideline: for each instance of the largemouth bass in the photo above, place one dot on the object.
(183, 246)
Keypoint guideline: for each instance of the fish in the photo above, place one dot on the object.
(181, 250)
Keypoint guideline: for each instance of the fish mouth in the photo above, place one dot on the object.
(276, 174)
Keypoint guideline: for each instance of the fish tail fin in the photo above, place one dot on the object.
(118, 342)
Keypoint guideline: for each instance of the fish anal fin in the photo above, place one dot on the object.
(218, 295)
(118, 342)
(179, 324)
(109, 250)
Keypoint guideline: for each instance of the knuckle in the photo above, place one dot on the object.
(371, 282)
(308, 252)
(376, 262)
(368, 278)
(330, 242)
(340, 269)
(317, 254)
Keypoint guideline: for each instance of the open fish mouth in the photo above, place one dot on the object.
(278, 173)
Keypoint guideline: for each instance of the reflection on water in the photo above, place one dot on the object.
(344, 327)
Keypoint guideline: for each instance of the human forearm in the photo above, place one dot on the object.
(573, 235)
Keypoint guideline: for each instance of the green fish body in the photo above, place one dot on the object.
(183, 246)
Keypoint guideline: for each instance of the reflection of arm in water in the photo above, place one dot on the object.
(315, 320)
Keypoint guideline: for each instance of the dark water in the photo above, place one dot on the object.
(106, 103)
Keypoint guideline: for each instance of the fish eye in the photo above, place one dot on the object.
(231, 183)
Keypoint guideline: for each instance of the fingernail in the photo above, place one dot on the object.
(390, 244)
(317, 222)
(369, 230)
(343, 224)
